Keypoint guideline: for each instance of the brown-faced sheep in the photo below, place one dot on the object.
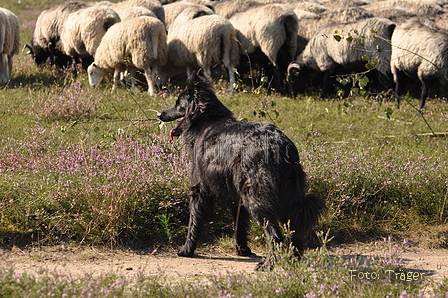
(271, 29)
(344, 46)
(45, 44)
(9, 42)
(154, 5)
(410, 58)
(83, 30)
(197, 39)
(134, 43)
(172, 10)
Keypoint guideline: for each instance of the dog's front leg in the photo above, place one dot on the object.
(200, 206)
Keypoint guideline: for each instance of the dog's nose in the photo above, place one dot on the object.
(159, 114)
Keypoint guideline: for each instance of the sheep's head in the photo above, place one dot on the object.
(294, 77)
(96, 74)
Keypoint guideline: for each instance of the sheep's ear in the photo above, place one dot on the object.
(294, 69)
(199, 14)
(109, 23)
(28, 48)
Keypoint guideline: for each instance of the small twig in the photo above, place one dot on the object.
(443, 206)
(420, 111)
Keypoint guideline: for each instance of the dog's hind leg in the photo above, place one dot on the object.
(273, 235)
(241, 220)
(200, 208)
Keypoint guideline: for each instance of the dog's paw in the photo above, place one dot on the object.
(243, 250)
(184, 251)
(266, 265)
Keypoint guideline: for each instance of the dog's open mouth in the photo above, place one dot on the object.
(177, 130)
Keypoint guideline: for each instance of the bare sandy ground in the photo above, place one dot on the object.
(77, 262)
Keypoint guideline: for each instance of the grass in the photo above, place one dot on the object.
(74, 168)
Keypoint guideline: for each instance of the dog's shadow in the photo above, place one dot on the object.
(252, 258)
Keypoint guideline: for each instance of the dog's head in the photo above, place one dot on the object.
(197, 104)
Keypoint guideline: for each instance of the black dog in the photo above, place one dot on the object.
(252, 167)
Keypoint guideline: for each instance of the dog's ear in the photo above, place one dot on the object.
(196, 78)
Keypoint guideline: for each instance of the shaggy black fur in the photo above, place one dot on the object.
(252, 167)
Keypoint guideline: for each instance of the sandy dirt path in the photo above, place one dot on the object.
(77, 262)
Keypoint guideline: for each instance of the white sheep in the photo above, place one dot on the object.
(153, 5)
(172, 10)
(228, 8)
(9, 42)
(3, 61)
(419, 50)
(198, 39)
(336, 4)
(308, 6)
(83, 30)
(303, 14)
(395, 14)
(430, 9)
(271, 28)
(309, 25)
(134, 43)
(45, 44)
(133, 12)
(345, 45)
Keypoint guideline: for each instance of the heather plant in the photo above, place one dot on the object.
(92, 193)
(70, 103)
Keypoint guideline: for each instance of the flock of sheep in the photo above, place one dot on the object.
(290, 40)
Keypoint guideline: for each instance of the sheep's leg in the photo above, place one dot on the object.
(116, 79)
(425, 91)
(325, 83)
(150, 77)
(277, 78)
(443, 88)
(399, 81)
(132, 74)
(10, 60)
(384, 81)
(208, 72)
(188, 72)
(2, 70)
(231, 78)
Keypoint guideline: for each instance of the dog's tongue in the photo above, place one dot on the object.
(174, 130)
